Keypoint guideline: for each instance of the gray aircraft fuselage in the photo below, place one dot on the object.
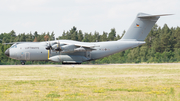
(37, 50)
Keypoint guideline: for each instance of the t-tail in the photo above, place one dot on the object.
(141, 27)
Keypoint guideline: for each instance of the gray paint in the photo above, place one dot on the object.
(140, 32)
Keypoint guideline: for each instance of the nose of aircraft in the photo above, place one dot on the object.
(7, 52)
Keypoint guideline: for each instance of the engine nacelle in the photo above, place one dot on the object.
(69, 48)
(81, 49)
(56, 47)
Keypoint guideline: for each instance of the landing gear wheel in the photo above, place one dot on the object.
(23, 63)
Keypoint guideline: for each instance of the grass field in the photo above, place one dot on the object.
(158, 82)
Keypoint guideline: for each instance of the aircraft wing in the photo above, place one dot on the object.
(87, 46)
(80, 44)
(69, 46)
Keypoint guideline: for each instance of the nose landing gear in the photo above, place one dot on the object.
(23, 62)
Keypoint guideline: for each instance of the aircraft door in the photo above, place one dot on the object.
(88, 54)
(27, 56)
(22, 56)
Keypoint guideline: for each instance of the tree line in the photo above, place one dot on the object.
(162, 45)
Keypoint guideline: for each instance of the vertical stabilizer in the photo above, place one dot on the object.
(141, 26)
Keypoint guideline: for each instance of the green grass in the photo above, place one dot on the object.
(53, 94)
(91, 82)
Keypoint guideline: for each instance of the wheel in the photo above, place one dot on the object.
(23, 63)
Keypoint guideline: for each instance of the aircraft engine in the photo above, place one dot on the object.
(66, 48)
(81, 49)
(50, 46)
(56, 47)
(73, 48)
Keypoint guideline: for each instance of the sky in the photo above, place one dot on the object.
(25, 16)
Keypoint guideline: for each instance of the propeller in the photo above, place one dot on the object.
(58, 48)
(49, 47)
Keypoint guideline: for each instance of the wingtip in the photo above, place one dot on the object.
(166, 14)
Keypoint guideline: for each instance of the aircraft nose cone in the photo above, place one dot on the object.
(7, 52)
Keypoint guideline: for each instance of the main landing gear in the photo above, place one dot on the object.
(71, 63)
(23, 62)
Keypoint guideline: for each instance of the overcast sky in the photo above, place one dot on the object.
(24, 16)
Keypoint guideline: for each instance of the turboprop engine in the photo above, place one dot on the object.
(67, 48)
(73, 48)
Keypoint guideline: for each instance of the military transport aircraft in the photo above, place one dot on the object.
(75, 52)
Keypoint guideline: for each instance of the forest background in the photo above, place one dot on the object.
(162, 45)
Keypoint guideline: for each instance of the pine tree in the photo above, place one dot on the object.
(112, 34)
(80, 35)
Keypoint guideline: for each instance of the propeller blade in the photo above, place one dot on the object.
(59, 46)
(50, 52)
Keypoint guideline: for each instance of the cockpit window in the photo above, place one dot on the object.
(14, 46)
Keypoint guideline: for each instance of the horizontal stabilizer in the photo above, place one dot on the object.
(146, 16)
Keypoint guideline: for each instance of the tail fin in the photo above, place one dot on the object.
(141, 26)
